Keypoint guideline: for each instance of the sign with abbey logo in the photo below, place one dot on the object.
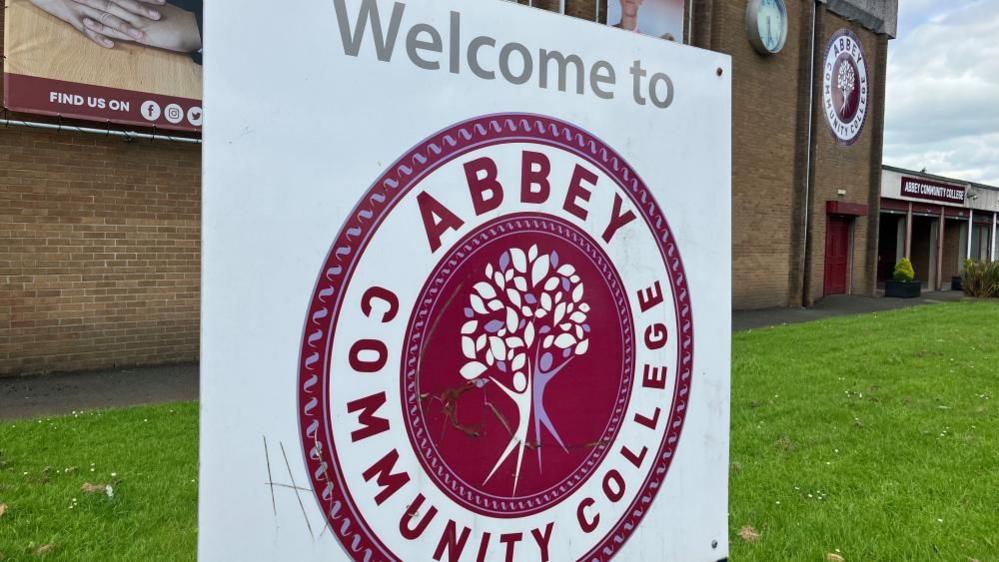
(845, 87)
(477, 306)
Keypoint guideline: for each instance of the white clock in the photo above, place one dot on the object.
(766, 25)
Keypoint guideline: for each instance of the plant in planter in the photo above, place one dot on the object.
(904, 285)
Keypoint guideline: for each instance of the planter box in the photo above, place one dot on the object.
(957, 283)
(903, 289)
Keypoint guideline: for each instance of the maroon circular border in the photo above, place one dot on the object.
(867, 72)
(320, 455)
(412, 411)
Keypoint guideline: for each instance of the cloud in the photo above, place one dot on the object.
(942, 106)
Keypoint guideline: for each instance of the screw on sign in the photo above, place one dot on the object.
(523, 399)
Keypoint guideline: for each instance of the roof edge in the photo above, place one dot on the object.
(879, 16)
(955, 181)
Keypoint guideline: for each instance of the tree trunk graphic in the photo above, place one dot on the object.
(526, 321)
(846, 83)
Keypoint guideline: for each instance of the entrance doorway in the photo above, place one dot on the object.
(837, 255)
(891, 245)
(925, 244)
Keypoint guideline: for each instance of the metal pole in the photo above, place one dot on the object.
(971, 229)
(940, 248)
(908, 233)
(995, 226)
(132, 135)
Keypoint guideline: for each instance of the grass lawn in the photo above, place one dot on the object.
(872, 437)
(149, 457)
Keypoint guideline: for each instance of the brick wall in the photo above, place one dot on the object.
(766, 96)
(855, 168)
(771, 265)
(99, 251)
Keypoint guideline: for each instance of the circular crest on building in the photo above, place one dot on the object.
(845, 87)
(497, 356)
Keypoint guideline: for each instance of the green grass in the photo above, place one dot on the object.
(875, 436)
(148, 455)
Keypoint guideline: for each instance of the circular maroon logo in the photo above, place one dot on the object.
(846, 95)
(526, 309)
(498, 352)
(845, 86)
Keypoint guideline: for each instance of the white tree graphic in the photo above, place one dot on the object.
(847, 82)
(526, 322)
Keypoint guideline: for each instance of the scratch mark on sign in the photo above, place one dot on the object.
(270, 479)
(449, 408)
(290, 487)
(297, 493)
(433, 327)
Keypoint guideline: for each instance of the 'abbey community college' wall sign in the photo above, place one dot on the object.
(466, 288)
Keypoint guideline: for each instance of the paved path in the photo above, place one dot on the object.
(833, 306)
(27, 397)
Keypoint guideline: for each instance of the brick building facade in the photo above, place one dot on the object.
(100, 237)
(790, 178)
(99, 250)
(936, 222)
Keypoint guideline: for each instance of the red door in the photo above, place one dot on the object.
(837, 254)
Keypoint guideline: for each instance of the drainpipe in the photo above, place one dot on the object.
(807, 200)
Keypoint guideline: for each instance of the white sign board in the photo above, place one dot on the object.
(466, 287)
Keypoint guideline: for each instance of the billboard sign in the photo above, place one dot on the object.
(134, 62)
(929, 190)
(658, 18)
(465, 303)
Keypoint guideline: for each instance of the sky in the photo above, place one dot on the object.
(942, 103)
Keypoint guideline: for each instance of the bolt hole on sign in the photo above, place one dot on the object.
(466, 287)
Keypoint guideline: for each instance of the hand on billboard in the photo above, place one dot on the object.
(125, 11)
(177, 31)
(98, 25)
(121, 19)
(174, 29)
